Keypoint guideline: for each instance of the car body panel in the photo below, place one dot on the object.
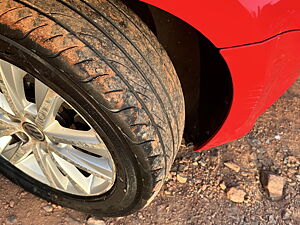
(260, 42)
(261, 73)
(235, 22)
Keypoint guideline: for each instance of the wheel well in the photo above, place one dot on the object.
(203, 73)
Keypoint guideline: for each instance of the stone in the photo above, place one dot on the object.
(11, 204)
(223, 186)
(232, 166)
(277, 137)
(287, 214)
(204, 187)
(236, 195)
(11, 219)
(23, 193)
(271, 219)
(181, 179)
(168, 193)
(56, 206)
(202, 163)
(71, 220)
(48, 208)
(275, 186)
(95, 221)
(181, 167)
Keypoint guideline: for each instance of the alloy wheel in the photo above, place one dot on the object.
(46, 138)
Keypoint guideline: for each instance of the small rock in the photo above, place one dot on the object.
(277, 137)
(236, 195)
(204, 187)
(48, 208)
(140, 215)
(196, 156)
(245, 174)
(287, 214)
(11, 204)
(181, 179)
(275, 186)
(11, 219)
(181, 167)
(56, 206)
(202, 162)
(167, 192)
(195, 163)
(23, 193)
(223, 186)
(71, 220)
(298, 177)
(95, 221)
(271, 219)
(232, 166)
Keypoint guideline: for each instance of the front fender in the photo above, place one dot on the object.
(261, 73)
(235, 22)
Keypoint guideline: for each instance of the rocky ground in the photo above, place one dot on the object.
(253, 180)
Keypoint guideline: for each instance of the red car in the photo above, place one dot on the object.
(97, 94)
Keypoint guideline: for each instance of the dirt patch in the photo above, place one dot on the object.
(196, 190)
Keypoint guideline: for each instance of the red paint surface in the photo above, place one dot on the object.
(234, 22)
(261, 72)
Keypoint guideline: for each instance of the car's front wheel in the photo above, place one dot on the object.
(91, 109)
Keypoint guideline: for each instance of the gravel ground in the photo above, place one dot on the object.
(253, 180)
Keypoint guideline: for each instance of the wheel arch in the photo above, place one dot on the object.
(204, 74)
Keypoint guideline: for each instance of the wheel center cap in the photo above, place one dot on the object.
(33, 131)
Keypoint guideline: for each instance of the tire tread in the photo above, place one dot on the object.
(131, 83)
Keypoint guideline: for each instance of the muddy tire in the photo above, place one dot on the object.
(100, 58)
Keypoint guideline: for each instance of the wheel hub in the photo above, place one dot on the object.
(33, 131)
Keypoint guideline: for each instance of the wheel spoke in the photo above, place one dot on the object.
(77, 179)
(21, 152)
(95, 185)
(87, 140)
(4, 142)
(12, 86)
(48, 109)
(4, 107)
(7, 127)
(5, 113)
(49, 168)
(94, 165)
(40, 93)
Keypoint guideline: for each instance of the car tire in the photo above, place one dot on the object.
(105, 63)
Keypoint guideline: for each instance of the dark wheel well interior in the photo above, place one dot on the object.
(203, 73)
